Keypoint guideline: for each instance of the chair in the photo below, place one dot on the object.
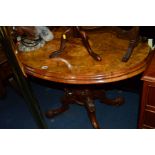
(76, 31)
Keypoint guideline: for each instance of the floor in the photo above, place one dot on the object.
(14, 113)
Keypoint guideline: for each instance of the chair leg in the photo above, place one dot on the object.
(75, 32)
(133, 34)
(132, 44)
(63, 42)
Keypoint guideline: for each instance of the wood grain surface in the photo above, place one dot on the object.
(76, 66)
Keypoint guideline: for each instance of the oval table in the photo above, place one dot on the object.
(75, 66)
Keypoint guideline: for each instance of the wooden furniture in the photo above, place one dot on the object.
(82, 74)
(77, 31)
(147, 112)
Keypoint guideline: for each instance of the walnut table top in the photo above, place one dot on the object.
(76, 66)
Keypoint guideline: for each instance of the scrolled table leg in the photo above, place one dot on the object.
(101, 95)
(84, 97)
(53, 112)
(91, 113)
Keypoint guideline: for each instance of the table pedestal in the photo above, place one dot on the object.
(77, 68)
(84, 97)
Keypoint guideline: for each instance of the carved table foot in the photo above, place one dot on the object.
(53, 112)
(90, 107)
(101, 95)
(84, 97)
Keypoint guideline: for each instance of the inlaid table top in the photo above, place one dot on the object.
(76, 66)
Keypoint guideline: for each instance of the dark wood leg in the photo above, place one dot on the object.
(132, 44)
(74, 32)
(63, 41)
(84, 97)
(91, 113)
(101, 95)
(65, 106)
(134, 37)
(85, 41)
